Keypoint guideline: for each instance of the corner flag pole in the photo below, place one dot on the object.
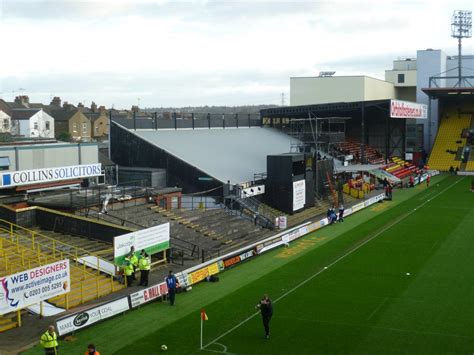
(201, 330)
(203, 318)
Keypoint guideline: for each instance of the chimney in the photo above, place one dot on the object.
(22, 100)
(135, 108)
(66, 104)
(93, 106)
(56, 101)
(80, 105)
(102, 109)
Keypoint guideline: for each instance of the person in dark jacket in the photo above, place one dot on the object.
(266, 309)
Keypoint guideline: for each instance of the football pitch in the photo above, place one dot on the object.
(396, 278)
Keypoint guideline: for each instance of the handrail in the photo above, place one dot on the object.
(45, 258)
(39, 248)
(78, 250)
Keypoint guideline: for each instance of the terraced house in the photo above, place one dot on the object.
(70, 119)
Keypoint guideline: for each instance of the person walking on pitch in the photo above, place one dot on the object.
(266, 309)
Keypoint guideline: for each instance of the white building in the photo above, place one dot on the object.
(333, 89)
(405, 81)
(5, 122)
(32, 123)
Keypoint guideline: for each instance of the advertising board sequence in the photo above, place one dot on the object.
(148, 294)
(32, 286)
(83, 319)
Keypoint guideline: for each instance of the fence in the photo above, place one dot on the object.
(190, 121)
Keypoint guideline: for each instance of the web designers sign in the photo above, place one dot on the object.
(33, 286)
(30, 177)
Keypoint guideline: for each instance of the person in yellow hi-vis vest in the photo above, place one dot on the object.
(49, 341)
(144, 263)
(128, 271)
(134, 260)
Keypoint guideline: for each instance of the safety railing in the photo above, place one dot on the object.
(30, 253)
(57, 248)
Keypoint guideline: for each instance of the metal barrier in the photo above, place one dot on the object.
(44, 254)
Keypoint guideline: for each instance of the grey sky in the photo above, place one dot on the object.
(181, 53)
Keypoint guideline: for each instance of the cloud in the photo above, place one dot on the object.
(206, 51)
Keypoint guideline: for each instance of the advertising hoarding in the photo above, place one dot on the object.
(84, 319)
(29, 287)
(153, 240)
(407, 109)
(299, 194)
(36, 176)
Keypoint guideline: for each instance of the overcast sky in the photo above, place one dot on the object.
(214, 52)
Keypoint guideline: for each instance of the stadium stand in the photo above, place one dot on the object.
(23, 248)
(352, 147)
(400, 168)
(211, 230)
(449, 141)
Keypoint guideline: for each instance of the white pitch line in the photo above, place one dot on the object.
(304, 282)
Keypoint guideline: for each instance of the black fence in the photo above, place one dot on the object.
(190, 121)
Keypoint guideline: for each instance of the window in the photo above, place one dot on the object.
(4, 163)
(401, 78)
(47, 125)
(6, 124)
(96, 130)
(35, 125)
(74, 127)
(84, 128)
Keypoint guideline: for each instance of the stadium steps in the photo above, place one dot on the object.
(21, 252)
(448, 141)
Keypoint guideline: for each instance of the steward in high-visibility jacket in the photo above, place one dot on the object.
(128, 272)
(134, 261)
(49, 341)
(144, 263)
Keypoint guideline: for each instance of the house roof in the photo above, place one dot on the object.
(24, 113)
(62, 114)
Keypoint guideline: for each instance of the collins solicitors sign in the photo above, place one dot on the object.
(38, 176)
(407, 109)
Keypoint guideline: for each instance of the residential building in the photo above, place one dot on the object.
(5, 122)
(32, 123)
(72, 120)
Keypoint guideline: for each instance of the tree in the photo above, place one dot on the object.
(64, 137)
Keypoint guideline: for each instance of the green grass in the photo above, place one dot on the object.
(363, 303)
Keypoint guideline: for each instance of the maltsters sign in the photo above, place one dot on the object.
(30, 177)
(407, 109)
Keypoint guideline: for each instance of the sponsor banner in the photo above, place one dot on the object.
(407, 109)
(28, 287)
(201, 274)
(252, 191)
(153, 240)
(227, 263)
(36, 176)
(83, 319)
(149, 294)
(299, 194)
(358, 207)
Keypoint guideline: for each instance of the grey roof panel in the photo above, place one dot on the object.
(224, 154)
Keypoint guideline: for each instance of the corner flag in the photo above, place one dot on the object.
(203, 318)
